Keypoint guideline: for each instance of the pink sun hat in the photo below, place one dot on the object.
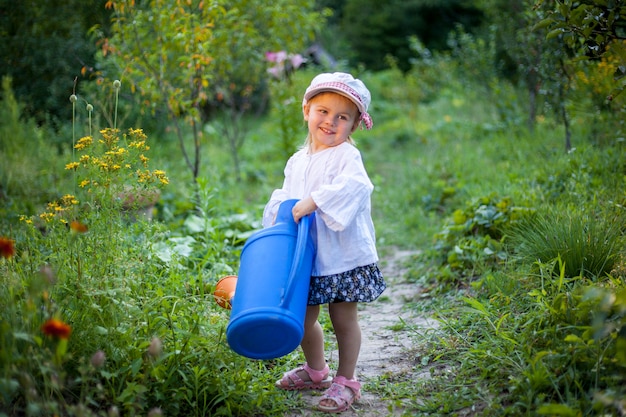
(347, 86)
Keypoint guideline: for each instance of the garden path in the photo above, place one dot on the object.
(386, 349)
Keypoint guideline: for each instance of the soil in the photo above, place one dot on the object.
(387, 348)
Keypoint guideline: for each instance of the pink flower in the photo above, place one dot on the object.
(277, 57)
(276, 71)
(297, 60)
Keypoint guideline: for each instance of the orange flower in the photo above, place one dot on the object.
(7, 247)
(56, 328)
(78, 227)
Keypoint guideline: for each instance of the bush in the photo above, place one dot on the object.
(473, 237)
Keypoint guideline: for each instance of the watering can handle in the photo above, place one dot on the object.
(301, 241)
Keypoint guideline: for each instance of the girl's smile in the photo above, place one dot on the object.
(331, 119)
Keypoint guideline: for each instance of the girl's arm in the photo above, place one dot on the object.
(347, 195)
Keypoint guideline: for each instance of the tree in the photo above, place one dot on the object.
(44, 48)
(589, 28)
(182, 56)
(377, 30)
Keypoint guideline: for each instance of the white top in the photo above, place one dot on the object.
(336, 180)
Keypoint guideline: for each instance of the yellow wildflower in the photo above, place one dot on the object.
(160, 175)
(109, 136)
(72, 165)
(69, 199)
(143, 176)
(26, 220)
(84, 159)
(46, 216)
(140, 145)
(84, 183)
(83, 142)
(137, 134)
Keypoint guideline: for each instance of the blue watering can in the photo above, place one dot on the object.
(269, 305)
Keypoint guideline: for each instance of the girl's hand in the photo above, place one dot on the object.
(302, 208)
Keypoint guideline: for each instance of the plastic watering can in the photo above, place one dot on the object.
(268, 309)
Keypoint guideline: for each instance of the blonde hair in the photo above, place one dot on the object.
(349, 139)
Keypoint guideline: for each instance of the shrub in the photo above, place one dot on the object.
(473, 236)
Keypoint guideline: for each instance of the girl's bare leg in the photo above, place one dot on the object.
(313, 341)
(348, 332)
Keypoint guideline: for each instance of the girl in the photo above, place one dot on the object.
(328, 177)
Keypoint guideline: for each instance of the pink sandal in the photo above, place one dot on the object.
(343, 392)
(318, 379)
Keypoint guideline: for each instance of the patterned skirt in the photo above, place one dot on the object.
(362, 284)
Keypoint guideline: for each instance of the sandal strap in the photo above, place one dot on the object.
(353, 384)
(293, 377)
(315, 375)
(341, 395)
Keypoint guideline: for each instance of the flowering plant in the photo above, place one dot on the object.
(284, 63)
(111, 171)
(116, 166)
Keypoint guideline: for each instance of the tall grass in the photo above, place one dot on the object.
(587, 244)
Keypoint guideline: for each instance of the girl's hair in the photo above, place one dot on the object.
(350, 140)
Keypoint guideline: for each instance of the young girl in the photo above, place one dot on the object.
(328, 177)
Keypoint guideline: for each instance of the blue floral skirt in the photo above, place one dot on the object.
(362, 284)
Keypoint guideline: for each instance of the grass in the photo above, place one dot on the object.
(527, 336)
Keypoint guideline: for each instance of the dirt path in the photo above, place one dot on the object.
(384, 351)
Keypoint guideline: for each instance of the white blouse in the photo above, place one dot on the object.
(336, 180)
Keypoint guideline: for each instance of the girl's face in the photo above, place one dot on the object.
(331, 119)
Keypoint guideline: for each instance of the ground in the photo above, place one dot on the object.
(386, 349)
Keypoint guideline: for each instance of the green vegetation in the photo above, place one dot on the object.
(106, 312)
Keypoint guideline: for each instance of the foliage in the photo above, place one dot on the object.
(144, 335)
(46, 57)
(30, 168)
(184, 57)
(589, 27)
(377, 36)
(113, 315)
(286, 102)
(473, 237)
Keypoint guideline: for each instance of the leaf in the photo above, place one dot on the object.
(554, 33)
(572, 338)
(557, 410)
(543, 24)
(196, 224)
